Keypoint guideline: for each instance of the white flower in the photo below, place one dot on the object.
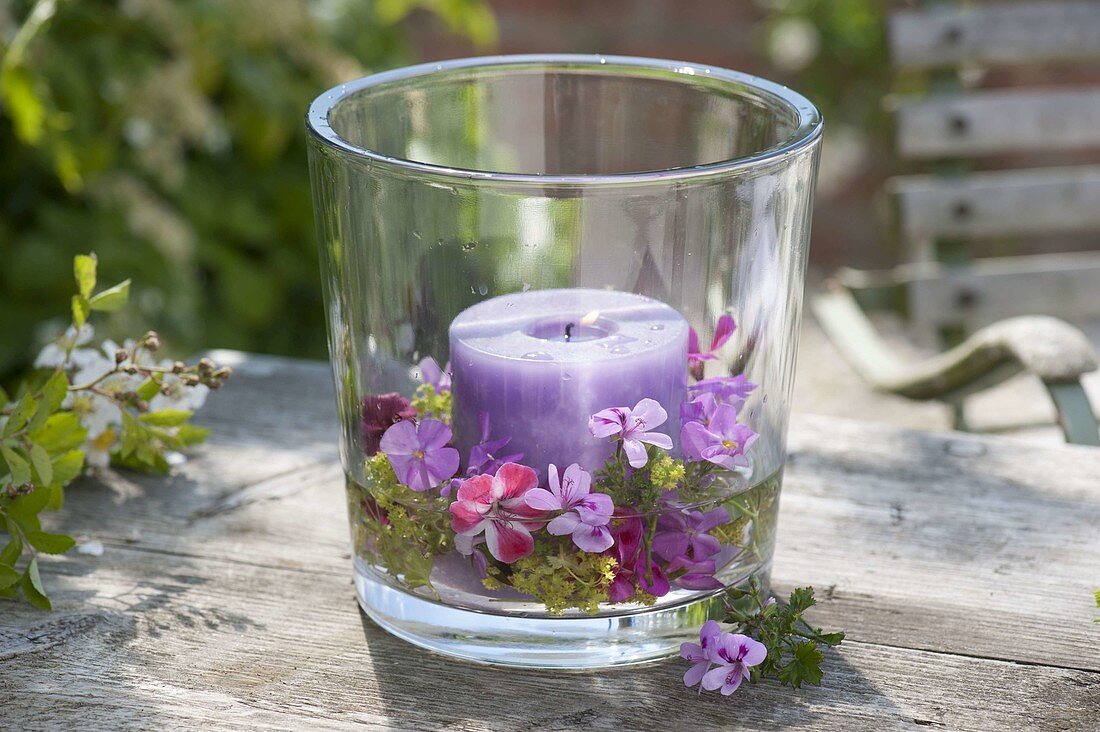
(179, 396)
(54, 354)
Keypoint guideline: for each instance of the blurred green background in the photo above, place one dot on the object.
(167, 136)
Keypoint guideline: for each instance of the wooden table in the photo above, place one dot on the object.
(961, 567)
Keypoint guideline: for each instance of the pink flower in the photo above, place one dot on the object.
(495, 504)
(735, 654)
(698, 654)
(380, 412)
(723, 329)
(631, 574)
(632, 425)
(419, 453)
(586, 514)
(732, 390)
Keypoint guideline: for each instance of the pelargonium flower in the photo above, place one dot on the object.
(699, 654)
(697, 575)
(631, 574)
(586, 514)
(438, 378)
(467, 546)
(684, 534)
(483, 455)
(632, 425)
(732, 390)
(735, 654)
(723, 329)
(380, 412)
(723, 441)
(495, 504)
(419, 453)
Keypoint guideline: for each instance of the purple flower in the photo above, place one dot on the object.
(699, 654)
(380, 412)
(483, 455)
(732, 390)
(437, 378)
(586, 514)
(723, 441)
(681, 532)
(419, 453)
(723, 329)
(631, 425)
(735, 654)
(696, 575)
(631, 574)
(699, 409)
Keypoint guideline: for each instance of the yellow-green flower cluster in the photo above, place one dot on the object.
(432, 404)
(666, 472)
(561, 577)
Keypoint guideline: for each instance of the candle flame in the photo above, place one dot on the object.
(590, 318)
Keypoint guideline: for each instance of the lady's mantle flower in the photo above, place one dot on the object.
(723, 441)
(483, 455)
(380, 412)
(699, 654)
(438, 378)
(586, 514)
(732, 390)
(419, 453)
(735, 654)
(495, 504)
(723, 329)
(632, 426)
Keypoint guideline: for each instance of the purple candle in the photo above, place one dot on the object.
(541, 363)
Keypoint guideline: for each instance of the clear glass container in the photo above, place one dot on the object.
(563, 296)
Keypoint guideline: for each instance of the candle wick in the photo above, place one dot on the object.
(568, 331)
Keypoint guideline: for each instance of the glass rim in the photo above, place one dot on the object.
(807, 130)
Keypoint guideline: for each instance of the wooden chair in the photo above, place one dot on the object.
(995, 312)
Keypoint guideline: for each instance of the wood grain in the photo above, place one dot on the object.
(961, 567)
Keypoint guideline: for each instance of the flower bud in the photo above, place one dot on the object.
(151, 340)
(120, 356)
(206, 365)
(178, 367)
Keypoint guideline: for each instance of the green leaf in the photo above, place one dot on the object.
(10, 554)
(190, 434)
(57, 497)
(81, 310)
(166, 417)
(4, 398)
(831, 639)
(61, 432)
(40, 459)
(67, 467)
(31, 584)
(25, 509)
(18, 467)
(111, 299)
(50, 543)
(802, 598)
(54, 391)
(804, 668)
(22, 411)
(148, 390)
(8, 576)
(84, 266)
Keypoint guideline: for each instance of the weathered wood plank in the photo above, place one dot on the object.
(994, 122)
(999, 203)
(232, 608)
(995, 33)
(219, 646)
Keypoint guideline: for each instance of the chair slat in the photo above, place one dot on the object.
(994, 122)
(995, 33)
(999, 203)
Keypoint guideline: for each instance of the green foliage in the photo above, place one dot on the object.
(430, 404)
(43, 441)
(559, 575)
(168, 137)
(793, 654)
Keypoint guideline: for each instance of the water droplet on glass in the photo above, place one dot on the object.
(657, 326)
(603, 60)
(416, 235)
(469, 246)
(483, 289)
(752, 413)
(567, 377)
(765, 399)
(620, 350)
(537, 356)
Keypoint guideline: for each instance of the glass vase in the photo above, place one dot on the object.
(563, 296)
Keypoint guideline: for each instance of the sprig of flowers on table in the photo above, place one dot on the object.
(625, 532)
(87, 408)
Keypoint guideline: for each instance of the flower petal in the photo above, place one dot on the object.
(694, 439)
(691, 652)
(575, 484)
(694, 675)
(564, 524)
(467, 517)
(754, 651)
(722, 331)
(670, 545)
(733, 681)
(607, 422)
(478, 489)
(635, 453)
(508, 541)
(592, 539)
(433, 434)
(712, 518)
(716, 677)
(541, 499)
(517, 479)
(595, 509)
(441, 464)
(647, 414)
(662, 441)
(400, 439)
